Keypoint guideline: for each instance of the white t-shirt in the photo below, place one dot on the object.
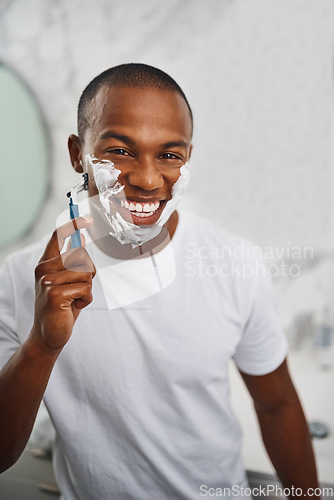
(139, 396)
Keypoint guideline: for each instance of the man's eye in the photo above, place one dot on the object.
(170, 156)
(118, 151)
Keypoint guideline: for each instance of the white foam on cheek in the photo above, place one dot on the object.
(183, 181)
(177, 192)
(106, 179)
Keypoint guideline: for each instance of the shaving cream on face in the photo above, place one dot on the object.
(106, 180)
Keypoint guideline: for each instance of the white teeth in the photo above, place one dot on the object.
(141, 210)
(125, 204)
(144, 214)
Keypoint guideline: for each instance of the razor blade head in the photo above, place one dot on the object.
(85, 181)
(81, 186)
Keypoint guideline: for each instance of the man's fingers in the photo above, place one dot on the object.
(66, 277)
(62, 295)
(60, 234)
(76, 259)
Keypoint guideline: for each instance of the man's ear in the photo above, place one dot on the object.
(190, 151)
(74, 148)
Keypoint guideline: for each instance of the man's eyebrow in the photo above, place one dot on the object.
(110, 134)
(175, 144)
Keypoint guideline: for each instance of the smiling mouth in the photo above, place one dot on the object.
(141, 209)
(141, 212)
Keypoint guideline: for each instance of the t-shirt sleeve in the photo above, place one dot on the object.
(263, 345)
(9, 341)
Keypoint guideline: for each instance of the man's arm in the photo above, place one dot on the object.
(284, 428)
(61, 292)
(23, 381)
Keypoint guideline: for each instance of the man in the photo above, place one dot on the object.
(137, 385)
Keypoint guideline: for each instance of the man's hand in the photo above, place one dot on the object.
(63, 287)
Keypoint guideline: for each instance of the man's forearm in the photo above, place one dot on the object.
(288, 443)
(23, 381)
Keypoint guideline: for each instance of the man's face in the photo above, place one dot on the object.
(146, 133)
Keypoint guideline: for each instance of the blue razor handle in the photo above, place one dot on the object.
(75, 238)
(74, 207)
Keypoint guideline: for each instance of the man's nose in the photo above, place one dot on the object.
(146, 175)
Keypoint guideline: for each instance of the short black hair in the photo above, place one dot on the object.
(125, 75)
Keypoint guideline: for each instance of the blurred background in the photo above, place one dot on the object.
(259, 77)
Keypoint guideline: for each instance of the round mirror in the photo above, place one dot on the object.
(24, 157)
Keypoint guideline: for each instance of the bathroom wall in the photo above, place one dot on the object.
(258, 74)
